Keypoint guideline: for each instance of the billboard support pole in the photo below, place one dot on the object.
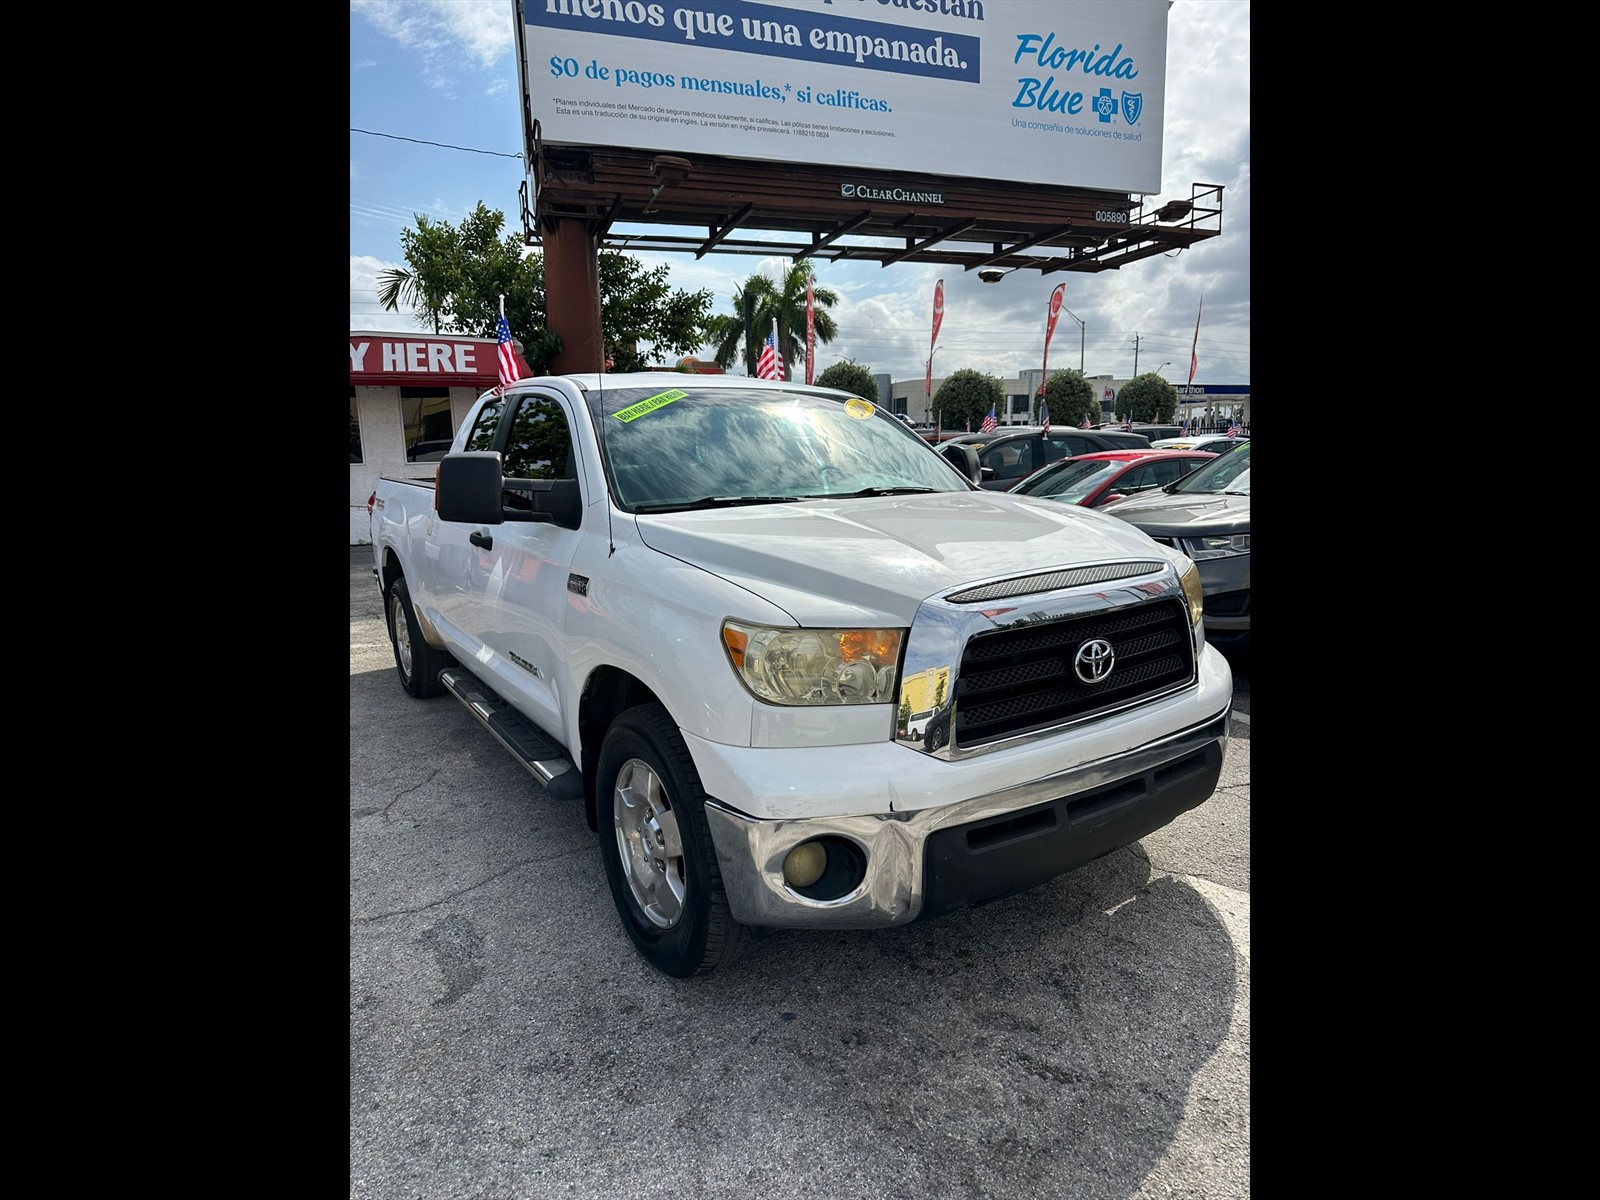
(572, 279)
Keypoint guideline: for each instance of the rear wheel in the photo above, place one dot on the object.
(657, 850)
(419, 664)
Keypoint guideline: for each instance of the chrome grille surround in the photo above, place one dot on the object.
(1138, 609)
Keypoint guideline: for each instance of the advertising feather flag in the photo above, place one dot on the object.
(1049, 331)
(811, 332)
(938, 319)
(1194, 350)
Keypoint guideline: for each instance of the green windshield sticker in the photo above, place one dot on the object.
(634, 411)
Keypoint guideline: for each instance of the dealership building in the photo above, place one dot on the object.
(409, 394)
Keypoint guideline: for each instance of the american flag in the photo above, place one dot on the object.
(1128, 425)
(510, 372)
(770, 365)
(1085, 424)
(1233, 429)
(989, 423)
(1044, 415)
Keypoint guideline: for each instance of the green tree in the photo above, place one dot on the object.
(1148, 398)
(455, 277)
(783, 302)
(1071, 398)
(850, 376)
(966, 396)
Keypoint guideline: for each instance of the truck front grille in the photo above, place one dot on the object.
(1015, 681)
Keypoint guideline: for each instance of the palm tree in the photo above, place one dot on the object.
(783, 302)
(399, 286)
(735, 337)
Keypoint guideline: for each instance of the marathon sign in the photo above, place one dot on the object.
(378, 359)
(1212, 389)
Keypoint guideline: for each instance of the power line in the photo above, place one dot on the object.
(442, 145)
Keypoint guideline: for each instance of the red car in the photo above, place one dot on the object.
(1106, 475)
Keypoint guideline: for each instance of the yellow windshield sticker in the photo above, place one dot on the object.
(635, 411)
(858, 408)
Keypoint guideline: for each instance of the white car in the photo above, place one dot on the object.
(1214, 442)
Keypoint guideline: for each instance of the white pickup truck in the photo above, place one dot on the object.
(797, 669)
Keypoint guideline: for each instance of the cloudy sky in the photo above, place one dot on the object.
(433, 94)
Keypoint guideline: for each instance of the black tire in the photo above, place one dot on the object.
(672, 905)
(417, 662)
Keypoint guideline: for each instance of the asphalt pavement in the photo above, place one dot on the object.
(1088, 1038)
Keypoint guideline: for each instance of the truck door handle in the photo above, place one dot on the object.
(479, 538)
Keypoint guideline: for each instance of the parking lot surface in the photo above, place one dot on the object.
(1088, 1038)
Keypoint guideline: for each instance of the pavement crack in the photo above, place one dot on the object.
(471, 887)
(402, 795)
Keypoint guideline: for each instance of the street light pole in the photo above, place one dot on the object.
(1079, 320)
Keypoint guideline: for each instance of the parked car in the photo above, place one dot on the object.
(1206, 514)
(1094, 479)
(1215, 442)
(1011, 455)
(1156, 432)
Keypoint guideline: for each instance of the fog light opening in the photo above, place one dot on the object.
(825, 868)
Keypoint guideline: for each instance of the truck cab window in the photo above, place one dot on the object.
(539, 447)
(486, 426)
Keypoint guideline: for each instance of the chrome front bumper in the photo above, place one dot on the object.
(895, 888)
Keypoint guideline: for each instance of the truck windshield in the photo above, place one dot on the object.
(689, 447)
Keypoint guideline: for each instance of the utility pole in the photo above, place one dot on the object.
(1136, 354)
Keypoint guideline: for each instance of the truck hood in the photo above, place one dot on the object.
(873, 561)
(1177, 515)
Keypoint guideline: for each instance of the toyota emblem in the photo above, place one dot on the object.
(1094, 660)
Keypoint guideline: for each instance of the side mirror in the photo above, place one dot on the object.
(467, 488)
(965, 460)
(471, 489)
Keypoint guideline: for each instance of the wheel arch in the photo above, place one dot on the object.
(390, 570)
(607, 693)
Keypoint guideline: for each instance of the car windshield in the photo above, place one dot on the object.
(1228, 472)
(1071, 482)
(697, 447)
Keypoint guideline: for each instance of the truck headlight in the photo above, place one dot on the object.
(1189, 577)
(1217, 547)
(814, 666)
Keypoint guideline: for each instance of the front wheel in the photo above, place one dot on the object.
(657, 850)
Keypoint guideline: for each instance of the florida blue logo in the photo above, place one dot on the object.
(1105, 106)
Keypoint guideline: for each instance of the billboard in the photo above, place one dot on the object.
(1058, 92)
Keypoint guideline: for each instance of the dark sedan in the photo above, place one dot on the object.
(1009, 455)
(1206, 514)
